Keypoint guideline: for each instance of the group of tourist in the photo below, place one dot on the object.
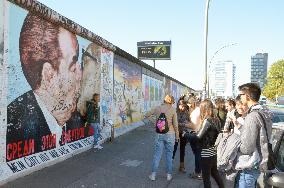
(207, 125)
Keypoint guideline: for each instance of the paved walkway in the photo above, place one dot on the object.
(125, 163)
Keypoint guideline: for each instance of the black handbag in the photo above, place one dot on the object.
(271, 163)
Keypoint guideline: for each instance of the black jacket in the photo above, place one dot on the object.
(208, 133)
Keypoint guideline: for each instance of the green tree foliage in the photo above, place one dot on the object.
(275, 80)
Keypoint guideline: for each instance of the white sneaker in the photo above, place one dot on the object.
(152, 177)
(98, 147)
(169, 177)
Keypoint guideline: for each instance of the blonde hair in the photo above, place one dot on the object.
(169, 99)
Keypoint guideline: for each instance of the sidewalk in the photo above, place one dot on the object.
(125, 163)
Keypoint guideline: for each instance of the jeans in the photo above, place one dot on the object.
(247, 178)
(161, 141)
(96, 127)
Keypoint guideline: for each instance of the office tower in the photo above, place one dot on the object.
(222, 81)
(259, 69)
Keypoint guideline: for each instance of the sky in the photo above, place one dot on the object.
(255, 25)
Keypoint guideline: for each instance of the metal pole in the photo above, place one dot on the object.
(205, 46)
(154, 63)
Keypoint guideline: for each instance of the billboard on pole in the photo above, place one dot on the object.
(154, 50)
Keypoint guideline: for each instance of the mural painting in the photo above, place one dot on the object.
(48, 74)
(156, 90)
(128, 98)
(48, 70)
(3, 85)
(167, 86)
(161, 91)
(106, 92)
(153, 92)
(146, 94)
(174, 91)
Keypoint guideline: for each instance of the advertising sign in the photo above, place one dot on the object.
(154, 50)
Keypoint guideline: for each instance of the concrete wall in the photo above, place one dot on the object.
(50, 67)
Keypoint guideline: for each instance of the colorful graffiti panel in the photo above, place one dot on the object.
(146, 92)
(167, 87)
(174, 91)
(128, 98)
(47, 72)
(106, 91)
(3, 85)
(153, 92)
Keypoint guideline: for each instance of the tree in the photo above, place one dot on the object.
(275, 80)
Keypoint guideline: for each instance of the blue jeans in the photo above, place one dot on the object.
(96, 127)
(161, 141)
(247, 178)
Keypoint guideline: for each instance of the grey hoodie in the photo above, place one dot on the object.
(253, 127)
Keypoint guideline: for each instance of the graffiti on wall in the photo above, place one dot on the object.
(174, 90)
(91, 78)
(127, 94)
(44, 119)
(3, 85)
(106, 91)
(167, 86)
(153, 92)
(146, 92)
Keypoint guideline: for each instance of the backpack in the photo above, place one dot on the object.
(271, 163)
(162, 126)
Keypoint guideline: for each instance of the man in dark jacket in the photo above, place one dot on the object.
(93, 118)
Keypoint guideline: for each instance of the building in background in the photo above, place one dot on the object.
(222, 81)
(259, 69)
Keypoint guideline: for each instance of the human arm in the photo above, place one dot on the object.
(194, 123)
(249, 134)
(228, 121)
(175, 125)
(150, 113)
(238, 122)
(204, 127)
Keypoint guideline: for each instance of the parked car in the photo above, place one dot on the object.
(280, 100)
(276, 177)
(262, 100)
(277, 116)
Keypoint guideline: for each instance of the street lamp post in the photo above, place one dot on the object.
(214, 55)
(205, 45)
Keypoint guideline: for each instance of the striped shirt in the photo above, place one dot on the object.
(208, 152)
